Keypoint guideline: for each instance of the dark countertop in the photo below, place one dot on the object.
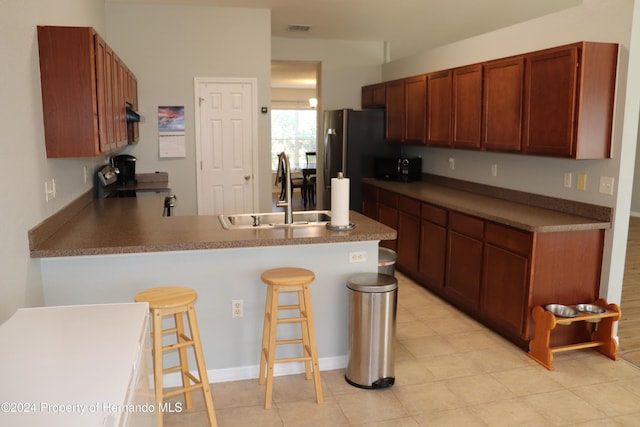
(525, 214)
(136, 225)
(91, 226)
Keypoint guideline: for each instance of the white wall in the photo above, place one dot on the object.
(166, 47)
(594, 20)
(25, 167)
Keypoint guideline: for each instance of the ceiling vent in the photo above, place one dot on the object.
(299, 28)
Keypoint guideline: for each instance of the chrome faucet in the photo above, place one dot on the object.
(284, 172)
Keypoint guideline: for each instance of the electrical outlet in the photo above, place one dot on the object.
(49, 190)
(494, 169)
(357, 256)
(452, 163)
(237, 309)
(567, 179)
(84, 173)
(582, 182)
(46, 191)
(606, 185)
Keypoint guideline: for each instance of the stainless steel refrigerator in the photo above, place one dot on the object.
(352, 139)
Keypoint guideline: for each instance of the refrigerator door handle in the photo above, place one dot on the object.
(327, 155)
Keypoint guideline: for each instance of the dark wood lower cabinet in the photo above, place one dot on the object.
(408, 242)
(433, 255)
(491, 271)
(408, 234)
(504, 291)
(464, 270)
(388, 216)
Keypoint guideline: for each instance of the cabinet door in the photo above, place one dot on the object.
(379, 95)
(416, 109)
(503, 93)
(110, 124)
(505, 279)
(373, 96)
(370, 201)
(550, 101)
(464, 270)
(433, 254)
(388, 216)
(439, 108)
(103, 86)
(408, 242)
(119, 104)
(395, 111)
(464, 260)
(467, 106)
(366, 97)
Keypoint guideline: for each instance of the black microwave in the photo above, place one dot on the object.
(398, 168)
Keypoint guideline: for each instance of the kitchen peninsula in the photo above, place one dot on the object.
(107, 250)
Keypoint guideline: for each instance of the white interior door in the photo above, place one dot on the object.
(226, 140)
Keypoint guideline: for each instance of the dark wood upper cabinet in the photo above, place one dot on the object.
(395, 110)
(554, 102)
(373, 96)
(415, 89)
(104, 63)
(439, 108)
(467, 107)
(568, 105)
(84, 90)
(502, 104)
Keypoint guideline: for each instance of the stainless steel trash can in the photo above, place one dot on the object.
(387, 261)
(372, 329)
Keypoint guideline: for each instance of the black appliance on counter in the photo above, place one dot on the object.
(398, 168)
(126, 166)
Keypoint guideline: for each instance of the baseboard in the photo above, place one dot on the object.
(635, 214)
(252, 372)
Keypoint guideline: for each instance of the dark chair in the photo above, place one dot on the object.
(296, 182)
(309, 177)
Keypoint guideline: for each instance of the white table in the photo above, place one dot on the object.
(83, 365)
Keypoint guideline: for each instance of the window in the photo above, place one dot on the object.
(294, 132)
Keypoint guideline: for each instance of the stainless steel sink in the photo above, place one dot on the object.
(274, 219)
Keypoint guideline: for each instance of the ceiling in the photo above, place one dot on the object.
(408, 26)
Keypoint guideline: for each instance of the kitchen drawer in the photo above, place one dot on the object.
(509, 238)
(388, 198)
(464, 224)
(409, 205)
(434, 214)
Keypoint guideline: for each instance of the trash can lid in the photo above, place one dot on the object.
(386, 257)
(372, 283)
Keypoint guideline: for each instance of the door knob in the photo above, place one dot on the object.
(247, 177)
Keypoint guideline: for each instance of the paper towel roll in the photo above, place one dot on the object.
(340, 201)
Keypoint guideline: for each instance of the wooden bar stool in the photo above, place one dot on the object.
(283, 280)
(177, 301)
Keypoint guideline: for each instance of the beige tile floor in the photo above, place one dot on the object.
(450, 371)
